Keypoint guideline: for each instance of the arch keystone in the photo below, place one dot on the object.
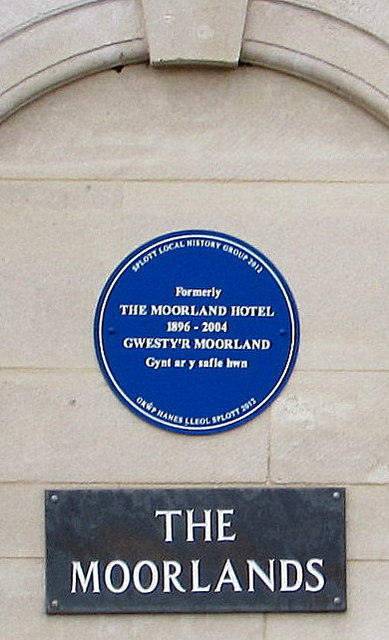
(195, 31)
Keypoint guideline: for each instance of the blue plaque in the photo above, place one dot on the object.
(196, 332)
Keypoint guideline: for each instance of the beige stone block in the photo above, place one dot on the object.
(60, 241)
(368, 523)
(22, 595)
(330, 428)
(207, 31)
(22, 611)
(53, 268)
(367, 615)
(145, 124)
(21, 520)
(70, 427)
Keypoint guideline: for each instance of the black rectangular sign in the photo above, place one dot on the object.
(195, 550)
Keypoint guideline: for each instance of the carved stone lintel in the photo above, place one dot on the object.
(195, 31)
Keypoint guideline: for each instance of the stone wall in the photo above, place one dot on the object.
(93, 170)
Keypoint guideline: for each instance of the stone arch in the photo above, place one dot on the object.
(322, 42)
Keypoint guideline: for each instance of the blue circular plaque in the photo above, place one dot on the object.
(196, 332)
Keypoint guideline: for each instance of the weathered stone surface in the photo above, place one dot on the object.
(21, 520)
(69, 33)
(371, 15)
(22, 614)
(368, 523)
(67, 42)
(49, 296)
(328, 428)
(367, 615)
(174, 124)
(69, 427)
(15, 14)
(319, 36)
(319, 47)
